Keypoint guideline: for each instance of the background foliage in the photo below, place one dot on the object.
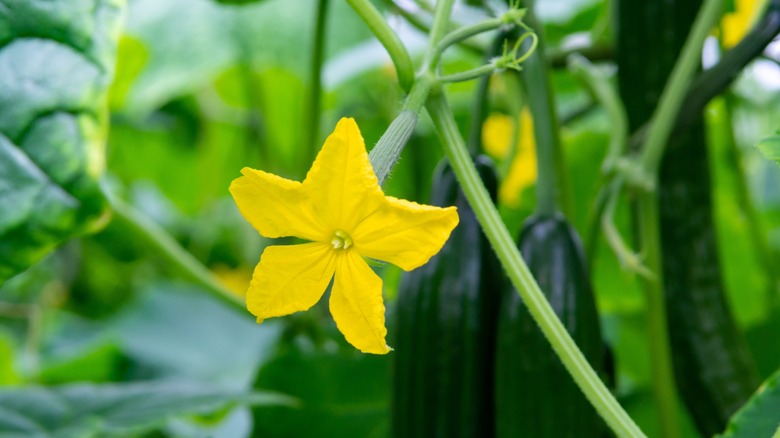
(203, 88)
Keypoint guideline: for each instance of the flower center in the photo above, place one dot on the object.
(341, 240)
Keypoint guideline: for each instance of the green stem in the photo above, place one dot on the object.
(675, 90)
(513, 88)
(510, 18)
(389, 147)
(501, 241)
(608, 97)
(474, 73)
(552, 188)
(155, 237)
(466, 32)
(441, 20)
(479, 108)
(422, 26)
(663, 374)
(660, 128)
(389, 39)
(315, 80)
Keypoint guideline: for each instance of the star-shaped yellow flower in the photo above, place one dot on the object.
(342, 211)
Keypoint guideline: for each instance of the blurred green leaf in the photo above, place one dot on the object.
(209, 38)
(101, 363)
(75, 350)
(760, 416)
(85, 410)
(179, 331)
(8, 374)
(56, 62)
(342, 392)
(770, 147)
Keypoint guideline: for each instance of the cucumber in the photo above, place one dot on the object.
(535, 395)
(714, 371)
(445, 328)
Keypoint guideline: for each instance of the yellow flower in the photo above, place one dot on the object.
(342, 211)
(496, 137)
(736, 24)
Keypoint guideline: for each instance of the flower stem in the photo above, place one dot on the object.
(389, 147)
(155, 237)
(315, 80)
(501, 241)
(389, 39)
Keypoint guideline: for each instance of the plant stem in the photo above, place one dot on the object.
(661, 126)
(510, 18)
(663, 375)
(315, 81)
(441, 20)
(155, 237)
(424, 27)
(552, 188)
(389, 147)
(474, 73)
(480, 106)
(501, 241)
(675, 90)
(608, 97)
(389, 39)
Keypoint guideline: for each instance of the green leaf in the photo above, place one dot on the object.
(8, 374)
(770, 147)
(56, 63)
(86, 410)
(342, 392)
(760, 416)
(158, 329)
(209, 38)
(74, 350)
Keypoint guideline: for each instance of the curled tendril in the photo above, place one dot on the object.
(510, 58)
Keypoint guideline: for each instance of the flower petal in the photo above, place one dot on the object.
(341, 182)
(276, 206)
(289, 279)
(405, 233)
(356, 304)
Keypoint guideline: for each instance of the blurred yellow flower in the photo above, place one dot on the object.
(736, 24)
(343, 212)
(234, 279)
(497, 138)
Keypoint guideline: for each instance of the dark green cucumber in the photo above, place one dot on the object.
(714, 371)
(445, 328)
(535, 395)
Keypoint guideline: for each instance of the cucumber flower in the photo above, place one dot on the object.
(343, 213)
(497, 136)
